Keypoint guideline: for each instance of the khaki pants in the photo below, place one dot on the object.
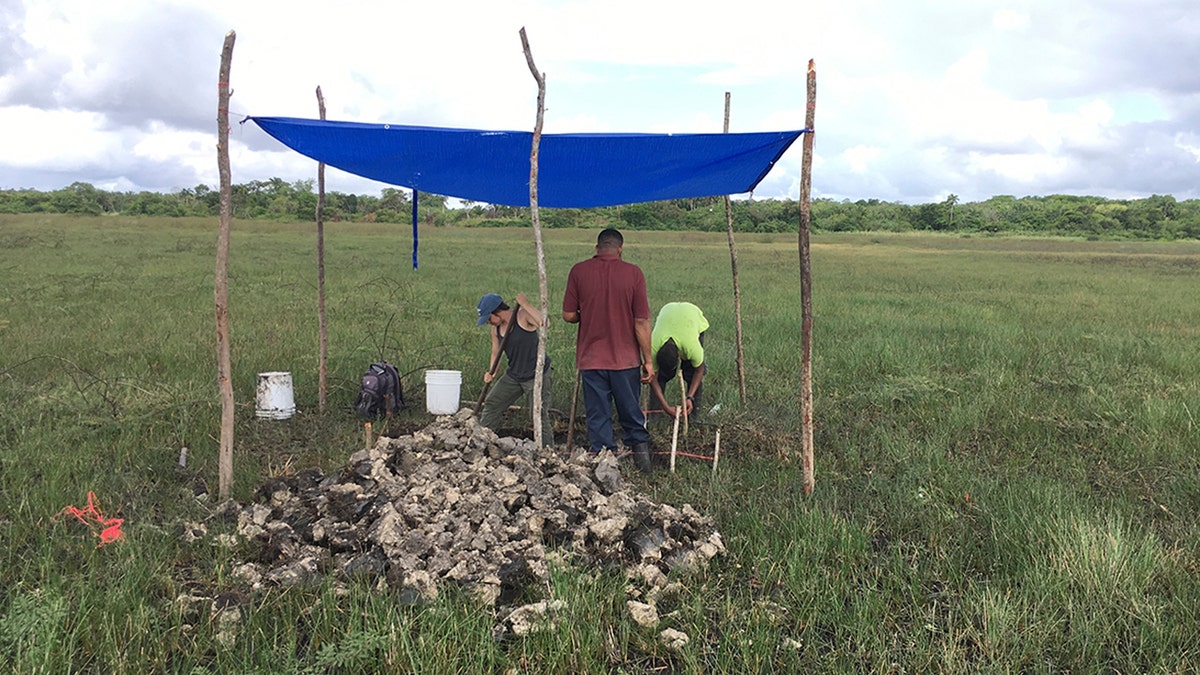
(505, 391)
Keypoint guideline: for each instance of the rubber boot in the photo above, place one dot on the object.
(641, 457)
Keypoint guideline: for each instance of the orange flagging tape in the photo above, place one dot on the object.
(108, 529)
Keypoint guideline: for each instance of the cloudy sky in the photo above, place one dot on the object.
(916, 100)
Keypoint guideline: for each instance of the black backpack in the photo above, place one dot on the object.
(380, 393)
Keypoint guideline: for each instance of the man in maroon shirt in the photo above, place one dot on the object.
(606, 296)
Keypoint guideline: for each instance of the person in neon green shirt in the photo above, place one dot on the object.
(677, 342)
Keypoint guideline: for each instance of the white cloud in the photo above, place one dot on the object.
(1010, 19)
(861, 157)
(78, 138)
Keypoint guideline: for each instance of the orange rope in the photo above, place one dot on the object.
(108, 529)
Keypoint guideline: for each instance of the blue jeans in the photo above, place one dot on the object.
(602, 389)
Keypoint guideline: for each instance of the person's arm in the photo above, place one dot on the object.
(487, 374)
(570, 312)
(533, 314)
(697, 378)
(642, 329)
(661, 398)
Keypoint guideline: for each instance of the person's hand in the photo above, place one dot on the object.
(687, 406)
(522, 300)
(647, 372)
(487, 377)
(670, 411)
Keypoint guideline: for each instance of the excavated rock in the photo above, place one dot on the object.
(455, 504)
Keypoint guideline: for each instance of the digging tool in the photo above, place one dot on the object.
(571, 420)
(512, 324)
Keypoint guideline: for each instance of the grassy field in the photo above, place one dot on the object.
(1006, 450)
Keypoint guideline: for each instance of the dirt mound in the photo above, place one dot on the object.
(454, 503)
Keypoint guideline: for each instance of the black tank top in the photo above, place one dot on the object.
(521, 350)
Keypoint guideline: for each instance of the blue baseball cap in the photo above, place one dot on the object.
(487, 305)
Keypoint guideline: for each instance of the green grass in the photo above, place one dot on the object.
(1006, 450)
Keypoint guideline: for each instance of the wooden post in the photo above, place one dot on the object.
(737, 288)
(806, 316)
(538, 378)
(322, 334)
(221, 278)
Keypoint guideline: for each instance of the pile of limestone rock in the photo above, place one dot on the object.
(455, 504)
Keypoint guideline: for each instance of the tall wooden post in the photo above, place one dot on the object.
(737, 287)
(806, 317)
(221, 279)
(538, 377)
(322, 334)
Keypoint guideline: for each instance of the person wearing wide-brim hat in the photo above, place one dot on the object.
(520, 348)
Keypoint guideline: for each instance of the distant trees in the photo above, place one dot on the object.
(1154, 217)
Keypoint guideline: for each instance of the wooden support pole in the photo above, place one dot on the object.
(322, 334)
(538, 377)
(737, 287)
(221, 278)
(806, 316)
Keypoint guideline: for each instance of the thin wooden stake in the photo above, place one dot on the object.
(716, 451)
(675, 436)
(221, 278)
(322, 334)
(737, 287)
(806, 316)
(368, 436)
(538, 378)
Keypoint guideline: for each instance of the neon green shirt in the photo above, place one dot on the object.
(683, 322)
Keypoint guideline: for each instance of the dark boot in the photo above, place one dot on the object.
(641, 457)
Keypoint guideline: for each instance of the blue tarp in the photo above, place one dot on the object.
(574, 170)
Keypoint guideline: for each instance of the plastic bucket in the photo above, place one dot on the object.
(275, 398)
(442, 391)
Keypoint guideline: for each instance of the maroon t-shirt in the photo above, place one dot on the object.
(609, 294)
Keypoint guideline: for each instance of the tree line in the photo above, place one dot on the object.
(1155, 217)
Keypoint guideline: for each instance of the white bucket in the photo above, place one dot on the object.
(442, 391)
(275, 399)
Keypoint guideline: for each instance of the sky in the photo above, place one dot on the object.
(916, 100)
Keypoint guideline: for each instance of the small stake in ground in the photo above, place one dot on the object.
(716, 451)
(367, 436)
(675, 436)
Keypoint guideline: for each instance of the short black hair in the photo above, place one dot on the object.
(667, 360)
(610, 237)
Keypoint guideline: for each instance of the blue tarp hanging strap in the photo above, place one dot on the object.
(414, 193)
(574, 170)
